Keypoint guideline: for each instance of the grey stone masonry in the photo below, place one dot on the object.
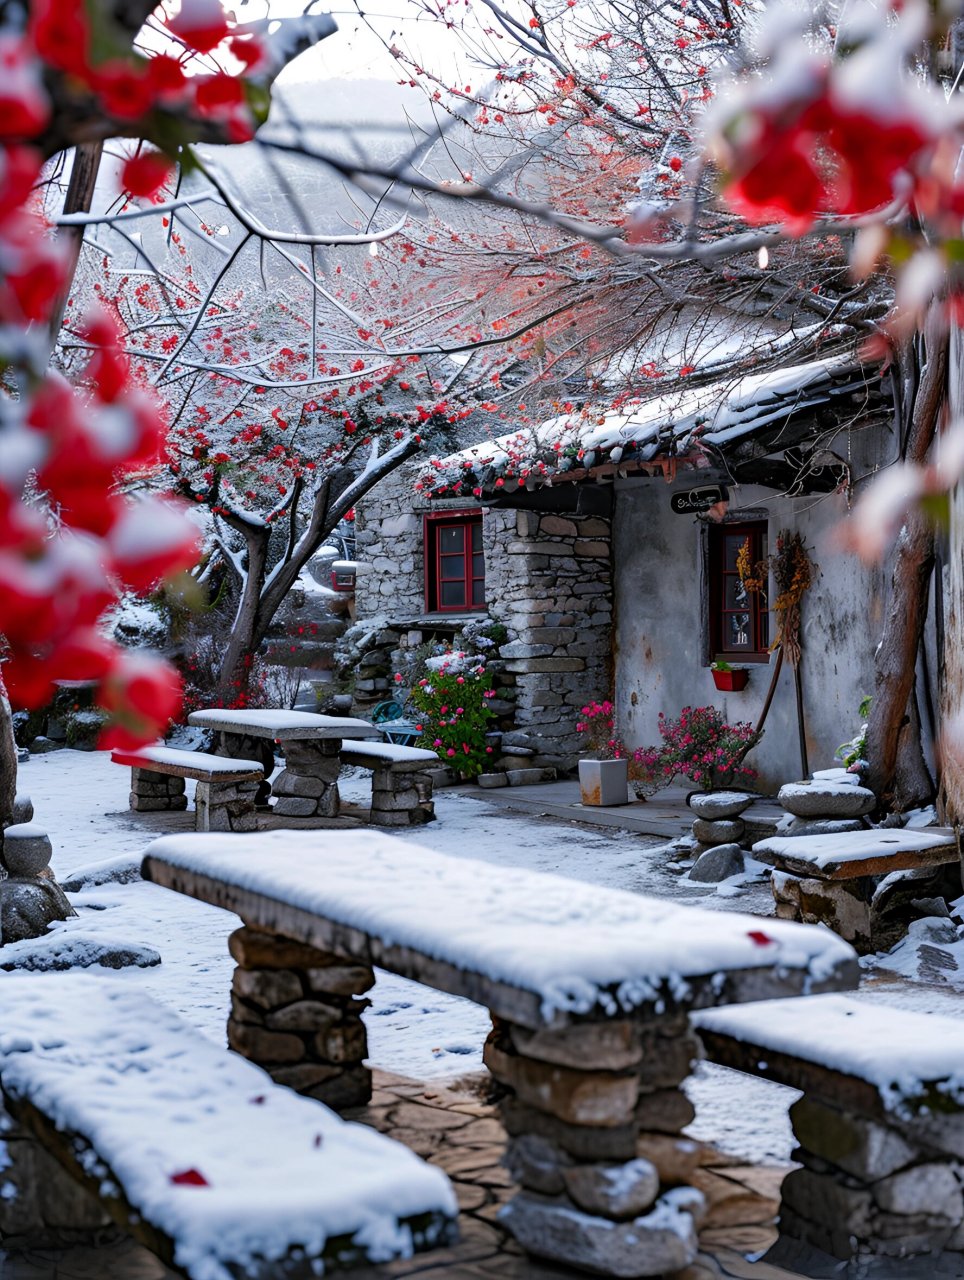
(226, 806)
(552, 587)
(296, 1012)
(594, 1113)
(152, 791)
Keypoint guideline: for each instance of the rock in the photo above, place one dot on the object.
(930, 1189)
(298, 784)
(341, 979)
(675, 1159)
(598, 1098)
(40, 746)
(264, 1046)
(789, 826)
(492, 780)
(59, 951)
(617, 1191)
(22, 808)
(582, 1142)
(295, 807)
(267, 988)
(525, 777)
(665, 1111)
(862, 1148)
(720, 831)
(718, 864)
(607, 1046)
(26, 849)
(29, 907)
(712, 805)
(550, 1227)
(826, 800)
(536, 1163)
(303, 1015)
(821, 1197)
(345, 1042)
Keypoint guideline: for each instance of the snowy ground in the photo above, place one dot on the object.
(82, 798)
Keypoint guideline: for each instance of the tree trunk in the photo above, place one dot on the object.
(913, 784)
(8, 765)
(896, 660)
(79, 198)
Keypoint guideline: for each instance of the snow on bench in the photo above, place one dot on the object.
(850, 854)
(282, 726)
(387, 755)
(534, 948)
(892, 1059)
(190, 764)
(197, 1152)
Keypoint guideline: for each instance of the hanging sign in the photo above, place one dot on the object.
(698, 501)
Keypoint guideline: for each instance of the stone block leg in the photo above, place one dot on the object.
(155, 792)
(307, 787)
(401, 799)
(869, 1186)
(582, 1109)
(226, 806)
(296, 1012)
(842, 905)
(243, 746)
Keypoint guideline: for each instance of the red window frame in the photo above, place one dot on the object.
(442, 567)
(724, 605)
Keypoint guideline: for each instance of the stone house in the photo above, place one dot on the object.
(606, 548)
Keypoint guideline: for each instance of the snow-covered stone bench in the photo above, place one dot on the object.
(226, 788)
(589, 990)
(880, 1125)
(192, 1150)
(847, 879)
(401, 783)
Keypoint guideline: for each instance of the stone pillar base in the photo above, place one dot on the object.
(585, 1109)
(401, 799)
(867, 1186)
(307, 787)
(226, 806)
(296, 1012)
(154, 792)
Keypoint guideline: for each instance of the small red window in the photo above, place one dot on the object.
(454, 562)
(739, 622)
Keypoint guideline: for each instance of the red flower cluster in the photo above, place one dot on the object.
(64, 560)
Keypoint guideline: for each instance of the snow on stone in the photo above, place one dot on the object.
(852, 846)
(569, 943)
(390, 751)
(146, 756)
(899, 1054)
(842, 777)
(283, 724)
(155, 1100)
(55, 952)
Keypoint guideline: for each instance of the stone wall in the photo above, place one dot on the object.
(548, 582)
(551, 586)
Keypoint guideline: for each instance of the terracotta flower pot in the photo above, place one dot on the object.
(731, 681)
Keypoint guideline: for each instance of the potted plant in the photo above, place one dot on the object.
(701, 746)
(727, 678)
(604, 773)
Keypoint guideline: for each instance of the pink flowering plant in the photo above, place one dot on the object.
(451, 710)
(701, 746)
(598, 727)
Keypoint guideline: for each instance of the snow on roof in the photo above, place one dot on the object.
(895, 1050)
(156, 1100)
(717, 413)
(573, 945)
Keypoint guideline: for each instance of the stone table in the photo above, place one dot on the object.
(308, 785)
(589, 991)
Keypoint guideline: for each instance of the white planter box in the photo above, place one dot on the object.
(604, 782)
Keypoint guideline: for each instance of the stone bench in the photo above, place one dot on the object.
(589, 990)
(880, 1125)
(188, 1147)
(226, 788)
(401, 783)
(846, 879)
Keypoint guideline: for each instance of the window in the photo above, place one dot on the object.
(454, 562)
(739, 622)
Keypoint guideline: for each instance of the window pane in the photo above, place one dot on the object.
(452, 593)
(477, 536)
(737, 633)
(478, 592)
(452, 567)
(735, 594)
(478, 566)
(451, 538)
(731, 549)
